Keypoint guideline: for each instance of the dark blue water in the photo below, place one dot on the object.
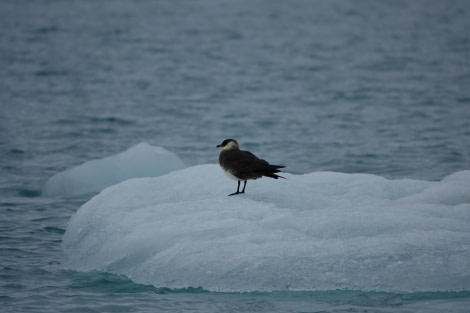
(349, 86)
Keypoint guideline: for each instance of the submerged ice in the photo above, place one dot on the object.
(141, 160)
(318, 231)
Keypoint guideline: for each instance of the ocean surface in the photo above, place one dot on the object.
(372, 87)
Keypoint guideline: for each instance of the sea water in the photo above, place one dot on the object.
(366, 103)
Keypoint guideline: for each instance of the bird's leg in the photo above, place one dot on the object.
(238, 189)
(244, 185)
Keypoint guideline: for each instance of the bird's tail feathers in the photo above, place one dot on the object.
(272, 175)
(271, 172)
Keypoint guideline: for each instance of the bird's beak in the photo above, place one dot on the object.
(218, 146)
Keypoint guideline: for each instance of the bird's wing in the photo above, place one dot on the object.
(246, 161)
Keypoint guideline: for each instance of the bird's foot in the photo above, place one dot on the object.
(236, 193)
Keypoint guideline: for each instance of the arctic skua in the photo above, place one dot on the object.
(244, 165)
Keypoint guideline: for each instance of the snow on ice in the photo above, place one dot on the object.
(317, 231)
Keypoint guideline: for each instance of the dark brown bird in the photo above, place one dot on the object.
(244, 165)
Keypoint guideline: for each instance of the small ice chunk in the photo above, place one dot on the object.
(141, 160)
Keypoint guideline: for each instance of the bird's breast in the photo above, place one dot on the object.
(229, 174)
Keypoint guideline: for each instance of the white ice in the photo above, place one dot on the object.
(318, 231)
(141, 160)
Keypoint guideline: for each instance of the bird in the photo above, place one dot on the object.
(243, 165)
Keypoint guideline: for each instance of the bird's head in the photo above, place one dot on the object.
(229, 144)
